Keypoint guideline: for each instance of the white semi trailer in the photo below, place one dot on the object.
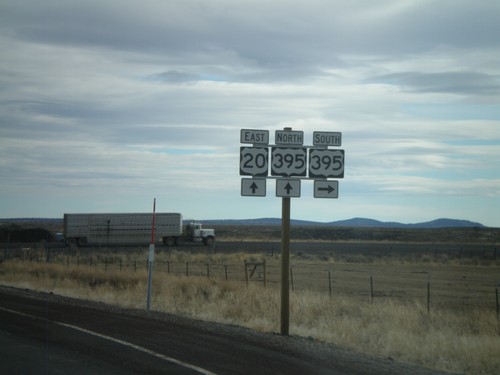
(133, 228)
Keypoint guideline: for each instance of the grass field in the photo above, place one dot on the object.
(378, 307)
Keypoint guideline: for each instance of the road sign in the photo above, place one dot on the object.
(288, 188)
(254, 161)
(326, 189)
(288, 161)
(289, 138)
(254, 136)
(253, 187)
(326, 163)
(327, 139)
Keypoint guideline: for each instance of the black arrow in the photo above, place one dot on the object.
(329, 189)
(288, 187)
(253, 187)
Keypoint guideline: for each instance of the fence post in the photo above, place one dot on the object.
(225, 270)
(498, 307)
(265, 274)
(330, 284)
(246, 272)
(371, 288)
(208, 270)
(428, 292)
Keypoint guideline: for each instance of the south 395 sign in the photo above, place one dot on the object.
(326, 163)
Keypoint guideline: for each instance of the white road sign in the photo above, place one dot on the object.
(254, 161)
(288, 161)
(327, 139)
(254, 136)
(289, 138)
(326, 189)
(326, 163)
(288, 188)
(253, 187)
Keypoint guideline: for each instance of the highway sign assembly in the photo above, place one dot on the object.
(289, 158)
(291, 162)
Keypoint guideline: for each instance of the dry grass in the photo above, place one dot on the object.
(461, 340)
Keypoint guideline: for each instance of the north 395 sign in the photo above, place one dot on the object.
(326, 163)
(288, 161)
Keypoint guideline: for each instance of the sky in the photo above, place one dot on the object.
(106, 105)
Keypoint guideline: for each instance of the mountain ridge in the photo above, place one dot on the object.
(354, 222)
(358, 222)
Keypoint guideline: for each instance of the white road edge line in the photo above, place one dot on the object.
(118, 341)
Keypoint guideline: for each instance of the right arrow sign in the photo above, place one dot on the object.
(326, 189)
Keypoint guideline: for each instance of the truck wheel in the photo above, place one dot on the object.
(82, 241)
(169, 241)
(179, 241)
(209, 241)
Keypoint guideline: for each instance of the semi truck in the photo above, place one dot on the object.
(133, 228)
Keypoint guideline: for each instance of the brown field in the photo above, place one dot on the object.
(434, 309)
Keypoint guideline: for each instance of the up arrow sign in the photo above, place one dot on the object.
(288, 188)
(253, 187)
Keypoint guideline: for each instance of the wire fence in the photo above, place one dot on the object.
(437, 284)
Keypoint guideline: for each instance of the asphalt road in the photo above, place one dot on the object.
(46, 334)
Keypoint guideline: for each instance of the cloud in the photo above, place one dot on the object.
(465, 83)
(100, 97)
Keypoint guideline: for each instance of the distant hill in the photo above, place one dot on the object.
(357, 222)
(354, 222)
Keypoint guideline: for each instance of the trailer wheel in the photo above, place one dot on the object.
(169, 241)
(209, 241)
(82, 241)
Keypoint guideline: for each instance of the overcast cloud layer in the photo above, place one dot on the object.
(105, 105)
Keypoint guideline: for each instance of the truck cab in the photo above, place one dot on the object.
(194, 232)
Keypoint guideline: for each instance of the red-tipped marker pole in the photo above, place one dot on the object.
(151, 258)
